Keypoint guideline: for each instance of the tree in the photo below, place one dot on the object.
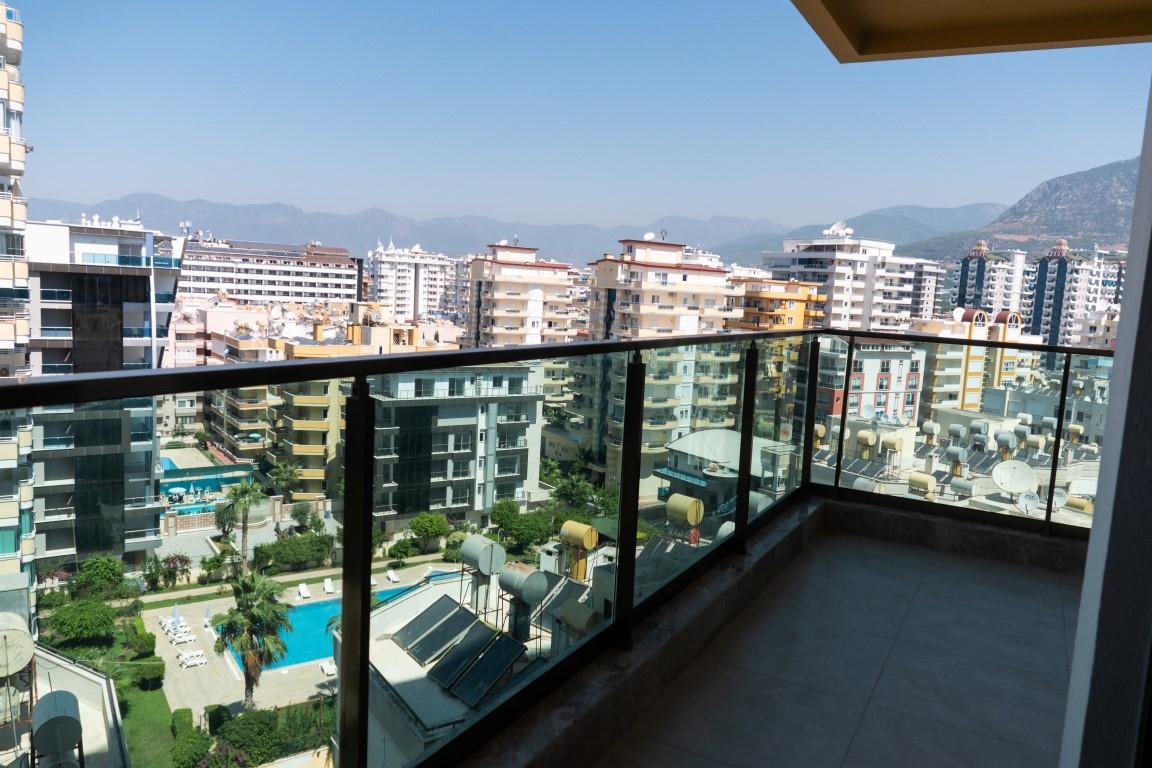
(504, 511)
(252, 628)
(157, 572)
(301, 512)
(98, 577)
(527, 529)
(225, 519)
(556, 417)
(430, 527)
(83, 622)
(285, 475)
(242, 496)
(202, 437)
(179, 563)
(550, 472)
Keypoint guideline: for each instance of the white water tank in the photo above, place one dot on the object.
(16, 646)
(56, 723)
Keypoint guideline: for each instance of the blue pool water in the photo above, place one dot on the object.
(310, 638)
(192, 508)
(167, 463)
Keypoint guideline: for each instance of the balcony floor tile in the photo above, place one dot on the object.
(886, 739)
(837, 602)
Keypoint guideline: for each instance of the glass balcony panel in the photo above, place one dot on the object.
(689, 458)
(1085, 414)
(778, 431)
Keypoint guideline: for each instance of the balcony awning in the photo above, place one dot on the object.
(876, 30)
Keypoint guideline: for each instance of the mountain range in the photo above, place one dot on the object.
(1092, 206)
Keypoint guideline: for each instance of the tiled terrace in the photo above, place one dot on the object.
(869, 653)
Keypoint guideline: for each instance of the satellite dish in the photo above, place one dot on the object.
(502, 242)
(1029, 502)
(1083, 487)
(1059, 497)
(649, 235)
(1014, 477)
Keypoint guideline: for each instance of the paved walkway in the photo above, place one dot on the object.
(186, 458)
(415, 567)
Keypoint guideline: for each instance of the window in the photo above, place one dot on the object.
(497, 382)
(910, 399)
(439, 470)
(516, 386)
(915, 367)
(425, 387)
(455, 387)
(885, 366)
(857, 383)
(882, 383)
(857, 366)
(913, 382)
(881, 400)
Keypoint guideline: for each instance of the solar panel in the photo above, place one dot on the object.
(424, 621)
(924, 450)
(570, 591)
(442, 635)
(460, 656)
(480, 678)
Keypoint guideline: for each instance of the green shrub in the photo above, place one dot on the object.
(256, 734)
(182, 722)
(216, 715)
(48, 601)
(144, 644)
(191, 749)
(98, 577)
(404, 548)
(83, 622)
(451, 556)
(150, 673)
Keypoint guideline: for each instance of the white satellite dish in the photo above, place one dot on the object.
(502, 242)
(1029, 502)
(1084, 487)
(1014, 477)
(649, 235)
(1059, 497)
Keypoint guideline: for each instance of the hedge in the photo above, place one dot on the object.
(182, 722)
(216, 715)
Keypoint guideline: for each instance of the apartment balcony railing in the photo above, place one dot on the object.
(55, 294)
(1026, 457)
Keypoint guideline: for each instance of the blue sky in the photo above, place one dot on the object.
(605, 112)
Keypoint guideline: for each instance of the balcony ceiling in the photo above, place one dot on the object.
(875, 30)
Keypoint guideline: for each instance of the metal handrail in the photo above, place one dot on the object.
(87, 387)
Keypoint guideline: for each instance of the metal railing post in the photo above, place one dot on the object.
(354, 622)
(747, 426)
(1058, 438)
(629, 500)
(844, 411)
(813, 381)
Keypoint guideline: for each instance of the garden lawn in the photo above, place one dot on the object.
(148, 727)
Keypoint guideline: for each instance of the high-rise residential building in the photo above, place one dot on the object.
(1065, 285)
(1096, 329)
(927, 279)
(865, 285)
(957, 375)
(13, 207)
(885, 382)
(518, 298)
(259, 273)
(991, 280)
(412, 284)
(777, 305)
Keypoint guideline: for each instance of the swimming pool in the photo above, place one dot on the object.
(167, 463)
(193, 508)
(310, 638)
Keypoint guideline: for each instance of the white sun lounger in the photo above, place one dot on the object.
(392, 577)
(177, 629)
(303, 592)
(328, 668)
(185, 655)
(195, 661)
(181, 639)
(372, 581)
(329, 589)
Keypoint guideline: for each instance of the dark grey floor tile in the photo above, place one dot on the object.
(1071, 594)
(887, 739)
(978, 633)
(745, 719)
(833, 660)
(998, 586)
(638, 752)
(836, 602)
(1008, 704)
(1070, 639)
(897, 567)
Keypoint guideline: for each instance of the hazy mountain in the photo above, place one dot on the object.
(277, 222)
(1088, 207)
(898, 224)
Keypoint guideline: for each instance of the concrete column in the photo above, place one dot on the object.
(1108, 693)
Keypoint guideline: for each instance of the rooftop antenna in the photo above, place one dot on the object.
(649, 235)
(663, 235)
(515, 239)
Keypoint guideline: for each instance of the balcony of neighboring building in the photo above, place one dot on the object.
(12, 151)
(11, 36)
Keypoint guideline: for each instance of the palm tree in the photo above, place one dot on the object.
(253, 628)
(242, 496)
(285, 475)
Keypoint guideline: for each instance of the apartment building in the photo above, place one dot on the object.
(455, 441)
(14, 325)
(1065, 285)
(885, 382)
(257, 273)
(927, 284)
(411, 284)
(992, 280)
(1097, 328)
(957, 376)
(865, 285)
(518, 298)
(772, 305)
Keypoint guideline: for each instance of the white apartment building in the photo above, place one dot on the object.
(258, 273)
(1067, 285)
(992, 280)
(1096, 329)
(518, 298)
(865, 285)
(412, 283)
(927, 282)
(884, 384)
(13, 206)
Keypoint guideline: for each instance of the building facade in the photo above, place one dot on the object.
(518, 298)
(259, 273)
(1066, 285)
(411, 284)
(777, 305)
(992, 280)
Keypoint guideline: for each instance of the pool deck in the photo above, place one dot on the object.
(220, 681)
(186, 458)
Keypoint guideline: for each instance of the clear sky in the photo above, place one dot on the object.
(604, 112)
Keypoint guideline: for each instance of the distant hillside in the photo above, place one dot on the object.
(277, 222)
(1088, 207)
(899, 224)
